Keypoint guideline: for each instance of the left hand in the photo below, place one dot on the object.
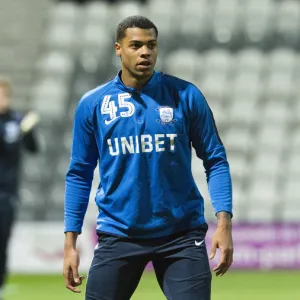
(29, 121)
(222, 239)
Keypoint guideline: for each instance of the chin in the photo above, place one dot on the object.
(144, 74)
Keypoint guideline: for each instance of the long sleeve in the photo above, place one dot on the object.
(30, 141)
(84, 156)
(209, 147)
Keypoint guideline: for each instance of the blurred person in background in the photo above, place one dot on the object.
(16, 134)
(141, 126)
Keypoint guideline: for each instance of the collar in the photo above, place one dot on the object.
(154, 80)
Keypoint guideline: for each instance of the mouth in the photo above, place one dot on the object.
(146, 64)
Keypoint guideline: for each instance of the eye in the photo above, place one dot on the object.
(152, 46)
(135, 45)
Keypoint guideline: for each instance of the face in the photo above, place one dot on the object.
(4, 100)
(138, 51)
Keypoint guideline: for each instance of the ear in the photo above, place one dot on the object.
(118, 49)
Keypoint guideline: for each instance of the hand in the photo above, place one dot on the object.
(222, 239)
(29, 121)
(70, 270)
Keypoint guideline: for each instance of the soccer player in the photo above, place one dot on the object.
(16, 133)
(140, 126)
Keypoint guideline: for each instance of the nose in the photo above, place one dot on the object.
(145, 52)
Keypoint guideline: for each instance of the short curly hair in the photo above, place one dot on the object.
(134, 22)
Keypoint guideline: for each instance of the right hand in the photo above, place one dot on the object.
(70, 270)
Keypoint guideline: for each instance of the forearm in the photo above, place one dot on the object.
(220, 187)
(30, 141)
(70, 240)
(78, 186)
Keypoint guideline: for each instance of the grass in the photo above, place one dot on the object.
(235, 285)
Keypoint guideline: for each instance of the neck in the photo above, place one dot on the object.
(3, 111)
(131, 81)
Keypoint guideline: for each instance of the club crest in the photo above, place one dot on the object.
(166, 115)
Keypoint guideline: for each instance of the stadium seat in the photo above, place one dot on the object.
(258, 21)
(288, 22)
(219, 114)
(270, 137)
(28, 195)
(49, 97)
(266, 164)
(215, 87)
(262, 215)
(290, 192)
(239, 194)
(243, 111)
(184, 63)
(61, 35)
(63, 163)
(290, 213)
(294, 140)
(225, 21)
(128, 8)
(280, 87)
(163, 14)
(56, 63)
(238, 139)
(293, 163)
(98, 12)
(282, 59)
(218, 61)
(56, 193)
(276, 112)
(238, 165)
(195, 23)
(246, 85)
(95, 35)
(296, 108)
(65, 11)
(262, 200)
(67, 141)
(31, 167)
(250, 60)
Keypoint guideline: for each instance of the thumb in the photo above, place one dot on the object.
(213, 250)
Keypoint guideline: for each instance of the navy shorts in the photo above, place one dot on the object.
(180, 262)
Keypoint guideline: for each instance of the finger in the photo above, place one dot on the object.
(69, 281)
(222, 261)
(213, 250)
(75, 274)
(229, 262)
(67, 278)
(73, 289)
(224, 268)
(81, 278)
(231, 258)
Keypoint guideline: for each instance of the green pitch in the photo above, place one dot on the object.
(233, 286)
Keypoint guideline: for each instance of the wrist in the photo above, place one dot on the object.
(224, 220)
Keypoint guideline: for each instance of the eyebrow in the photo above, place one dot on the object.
(140, 42)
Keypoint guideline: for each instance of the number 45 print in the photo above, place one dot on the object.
(109, 107)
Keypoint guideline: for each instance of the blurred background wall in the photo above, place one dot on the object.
(242, 54)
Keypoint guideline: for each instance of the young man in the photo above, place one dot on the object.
(16, 132)
(140, 126)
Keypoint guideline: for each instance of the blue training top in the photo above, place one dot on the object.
(142, 139)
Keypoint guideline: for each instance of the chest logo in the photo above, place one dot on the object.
(166, 115)
(11, 132)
